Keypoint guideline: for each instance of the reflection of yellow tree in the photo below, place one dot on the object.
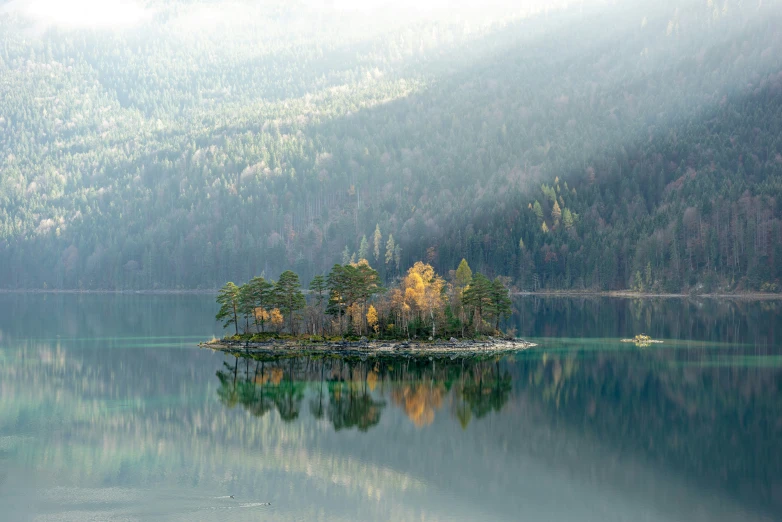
(419, 401)
(372, 380)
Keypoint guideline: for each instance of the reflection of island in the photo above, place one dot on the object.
(350, 392)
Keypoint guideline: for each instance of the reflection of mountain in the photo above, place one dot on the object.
(696, 411)
(418, 386)
(704, 319)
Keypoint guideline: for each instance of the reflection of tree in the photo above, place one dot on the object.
(349, 407)
(227, 392)
(419, 401)
(345, 390)
(260, 391)
(486, 389)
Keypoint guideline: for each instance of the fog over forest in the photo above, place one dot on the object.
(600, 145)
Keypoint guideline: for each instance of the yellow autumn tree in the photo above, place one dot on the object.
(401, 308)
(277, 319)
(556, 212)
(372, 318)
(354, 312)
(423, 290)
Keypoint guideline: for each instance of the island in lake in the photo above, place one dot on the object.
(349, 310)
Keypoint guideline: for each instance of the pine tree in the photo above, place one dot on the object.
(478, 296)
(228, 299)
(363, 249)
(246, 305)
(259, 295)
(378, 241)
(567, 219)
(501, 302)
(537, 209)
(390, 246)
(288, 296)
(319, 290)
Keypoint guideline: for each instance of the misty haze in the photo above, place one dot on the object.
(390, 260)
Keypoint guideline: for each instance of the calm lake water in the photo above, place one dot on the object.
(109, 411)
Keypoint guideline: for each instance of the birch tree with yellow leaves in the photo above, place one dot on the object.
(423, 291)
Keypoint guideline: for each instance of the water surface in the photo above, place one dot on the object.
(109, 411)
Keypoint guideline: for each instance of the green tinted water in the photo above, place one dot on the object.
(109, 411)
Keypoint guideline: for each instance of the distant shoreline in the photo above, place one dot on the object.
(126, 292)
(625, 294)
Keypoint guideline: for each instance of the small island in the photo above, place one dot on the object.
(350, 311)
(641, 340)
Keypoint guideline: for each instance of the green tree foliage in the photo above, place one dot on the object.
(261, 296)
(390, 248)
(479, 297)
(228, 299)
(463, 274)
(377, 240)
(363, 249)
(126, 167)
(567, 219)
(349, 285)
(501, 302)
(538, 210)
(288, 296)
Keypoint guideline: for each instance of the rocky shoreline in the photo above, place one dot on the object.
(365, 347)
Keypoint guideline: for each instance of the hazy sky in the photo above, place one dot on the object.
(127, 13)
(81, 13)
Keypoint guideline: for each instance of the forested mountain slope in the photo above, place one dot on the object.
(605, 146)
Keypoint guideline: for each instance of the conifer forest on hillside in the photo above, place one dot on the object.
(560, 145)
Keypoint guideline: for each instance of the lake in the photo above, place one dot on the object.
(110, 411)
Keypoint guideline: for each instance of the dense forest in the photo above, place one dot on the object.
(199, 142)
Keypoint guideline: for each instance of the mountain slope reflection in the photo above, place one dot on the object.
(352, 392)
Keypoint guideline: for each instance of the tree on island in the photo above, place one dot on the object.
(422, 304)
(352, 285)
(424, 289)
(501, 301)
(461, 280)
(477, 296)
(228, 298)
(319, 291)
(288, 296)
(261, 299)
